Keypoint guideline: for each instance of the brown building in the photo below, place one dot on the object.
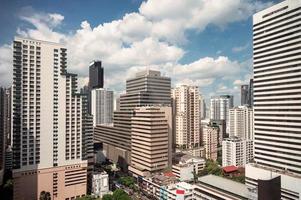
(150, 136)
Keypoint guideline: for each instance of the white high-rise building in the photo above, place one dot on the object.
(186, 104)
(219, 108)
(277, 97)
(47, 123)
(237, 152)
(102, 106)
(241, 122)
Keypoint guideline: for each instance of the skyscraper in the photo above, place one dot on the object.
(47, 119)
(4, 127)
(102, 106)
(147, 88)
(186, 100)
(244, 95)
(250, 93)
(96, 75)
(277, 95)
(241, 122)
(202, 108)
(219, 108)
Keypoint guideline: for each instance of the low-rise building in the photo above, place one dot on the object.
(165, 187)
(100, 184)
(186, 166)
(237, 152)
(217, 188)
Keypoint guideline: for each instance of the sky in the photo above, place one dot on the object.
(207, 43)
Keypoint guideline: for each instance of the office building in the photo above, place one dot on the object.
(241, 122)
(102, 106)
(150, 133)
(96, 75)
(244, 95)
(237, 152)
(202, 108)
(147, 88)
(250, 93)
(186, 104)
(277, 94)
(100, 184)
(210, 141)
(47, 123)
(219, 108)
(5, 123)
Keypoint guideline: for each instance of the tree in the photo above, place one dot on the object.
(107, 197)
(87, 197)
(45, 196)
(119, 194)
(127, 181)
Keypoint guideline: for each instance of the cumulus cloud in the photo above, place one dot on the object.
(153, 37)
(6, 64)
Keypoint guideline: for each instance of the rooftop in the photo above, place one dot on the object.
(225, 185)
(229, 169)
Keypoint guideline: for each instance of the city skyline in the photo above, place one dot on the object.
(185, 56)
(116, 109)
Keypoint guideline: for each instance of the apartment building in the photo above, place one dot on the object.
(47, 123)
(237, 152)
(210, 141)
(241, 122)
(186, 104)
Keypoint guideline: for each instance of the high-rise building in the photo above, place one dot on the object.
(237, 152)
(277, 95)
(5, 124)
(241, 122)
(186, 102)
(244, 95)
(219, 108)
(250, 94)
(150, 139)
(147, 88)
(202, 108)
(210, 141)
(96, 75)
(47, 123)
(102, 106)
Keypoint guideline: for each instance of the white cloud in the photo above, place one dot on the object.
(240, 48)
(148, 38)
(6, 65)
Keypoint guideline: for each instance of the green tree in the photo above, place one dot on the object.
(45, 196)
(127, 181)
(107, 197)
(119, 194)
(87, 197)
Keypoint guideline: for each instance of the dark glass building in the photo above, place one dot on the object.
(96, 75)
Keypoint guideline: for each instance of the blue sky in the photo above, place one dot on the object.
(200, 42)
